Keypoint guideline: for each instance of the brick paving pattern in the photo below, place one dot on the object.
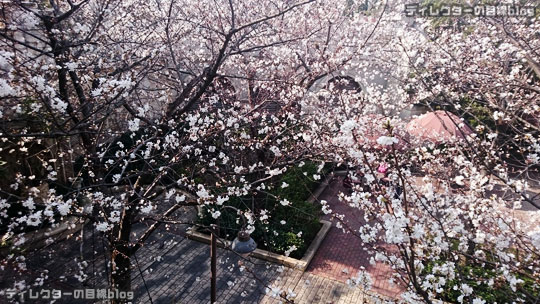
(342, 254)
(181, 274)
(173, 269)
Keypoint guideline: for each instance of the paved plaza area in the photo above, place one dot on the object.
(181, 274)
(171, 268)
(177, 270)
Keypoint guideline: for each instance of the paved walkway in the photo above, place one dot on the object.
(181, 274)
(342, 255)
(173, 269)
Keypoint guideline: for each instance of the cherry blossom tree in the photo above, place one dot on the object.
(448, 217)
(122, 112)
(118, 108)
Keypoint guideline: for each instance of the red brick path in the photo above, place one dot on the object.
(341, 255)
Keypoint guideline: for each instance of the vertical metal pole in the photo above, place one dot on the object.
(213, 252)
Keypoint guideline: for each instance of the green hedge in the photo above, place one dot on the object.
(299, 216)
(477, 277)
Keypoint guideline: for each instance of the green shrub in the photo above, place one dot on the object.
(299, 216)
(477, 277)
(476, 114)
(273, 236)
(300, 185)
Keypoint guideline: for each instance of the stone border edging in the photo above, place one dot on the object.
(316, 243)
(274, 257)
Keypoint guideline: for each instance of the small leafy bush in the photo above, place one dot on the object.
(294, 225)
(486, 282)
(300, 183)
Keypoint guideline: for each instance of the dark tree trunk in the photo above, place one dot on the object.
(121, 268)
(121, 257)
(471, 245)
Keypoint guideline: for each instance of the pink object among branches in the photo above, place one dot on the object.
(439, 127)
